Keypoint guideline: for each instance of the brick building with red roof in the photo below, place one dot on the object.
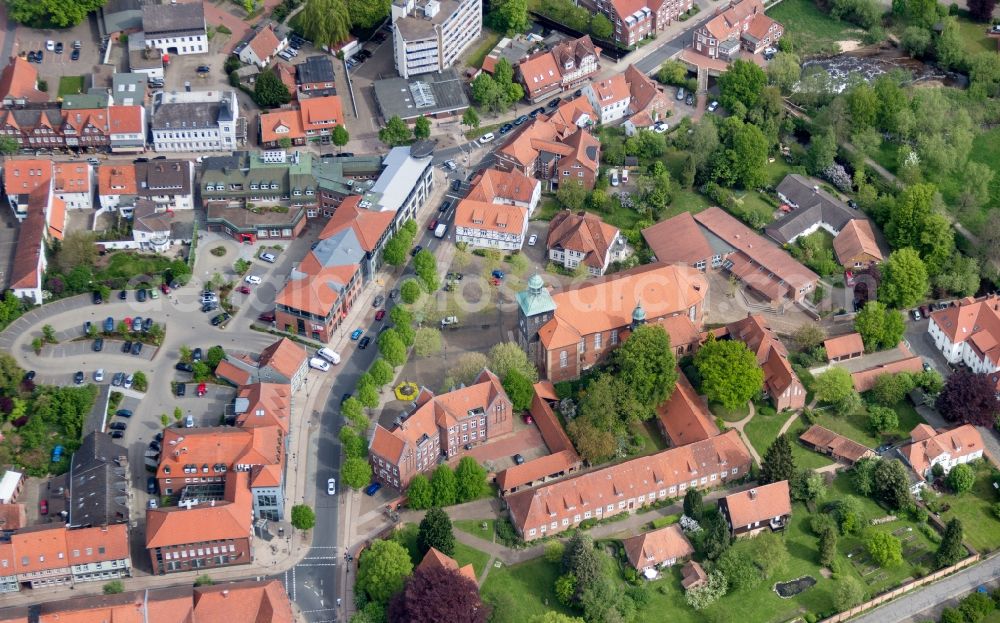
(929, 447)
(750, 512)
(658, 548)
(781, 384)
(440, 427)
(684, 418)
(54, 555)
(495, 213)
(315, 118)
(635, 20)
(568, 64)
(19, 84)
(742, 24)
(576, 238)
(968, 332)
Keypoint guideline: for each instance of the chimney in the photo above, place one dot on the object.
(753, 494)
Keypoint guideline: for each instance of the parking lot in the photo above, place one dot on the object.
(53, 65)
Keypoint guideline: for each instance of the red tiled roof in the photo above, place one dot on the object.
(865, 379)
(265, 43)
(956, 443)
(611, 90)
(259, 602)
(285, 356)
(319, 113)
(490, 216)
(13, 516)
(770, 352)
(495, 185)
(126, 119)
(685, 416)
(760, 504)
(545, 419)
(25, 272)
(536, 469)
(843, 345)
(835, 444)
(651, 549)
(19, 80)
(116, 179)
(584, 233)
(218, 521)
(678, 240)
(435, 559)
(969, 318)
(269, 404)
(539, 72)
(368, 226)
(319, 291)
(229, 372)
(46, 547)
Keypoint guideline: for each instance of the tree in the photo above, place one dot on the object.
(303, 517)
(600, 26)
(470, 118)
(961, 278)
(339, 135)
(880, 327)
(741, 84)
(850, 593)
(937, 243)
(828, 547)
(716, 536)
(325, 22)
(444, 486)
(951, 549)
(708, 593)
(778, 463)
(435, 531)
(269, 90)
(882, 419)
(425, 265)
(509, 16)
(581, 559)
(884, 548)
(833, 385)
(908, 214)
(470, 479)
(807, 486)
(976, 607)
(356, 472)
(729, 372)
(419, 495)
(948, 47)
(366, 14)
(891, 484)
(554, 617)
(747, 152)
(383, 569)
(381, 372)
(916, 41)
(214, 356)
(739, 569)
(784, 70)
(571, 196)
(506, 357)
(693, 503)
(9, 146)
(675, 73)
(809, 336)
(395, 250)
(353, 411)
(395, 132)
(565, 588)
(77, 249)
(890, 389)
(354, 444)
(519, 390)
(595, 445)
(968, 398)
(391, 347)
(863, 476)
(114, 587)
(434, 594)
(50, 13)
(422, 127)
(822, 151)
(981, 10)
(367, 391)
(961, 478)
(410, 291)
(466, 369)
(427, 341)
(646, 360)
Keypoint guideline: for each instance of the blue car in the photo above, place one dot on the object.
(356, 334)
(498, 274)
(373, 488)
(57, 454)
(109, 324)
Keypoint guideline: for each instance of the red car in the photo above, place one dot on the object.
(43, 507)
(266, 317)
(495, 281)
(243, 290)
(380, 314)
(202, 389)
(164, 288)
(433, 225)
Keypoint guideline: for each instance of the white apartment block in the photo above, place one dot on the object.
(196, 121)
(610, 97)
(430, 35)
(967, 332)
(495, 213)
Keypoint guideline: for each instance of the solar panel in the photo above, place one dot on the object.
(423, 97)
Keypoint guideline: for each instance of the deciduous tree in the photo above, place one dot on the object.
(571, 195)
(356, 472)
(51, 13)
(884, 548)
(784, 70)
(339, 136)
(646, 360)
(581, 559)
(849, 593)
(466, 369)
(382, 570)
(422, 127)
(434, 594)
(381, 372)
(518, 389)
(693, 503)
(880, 327)
(419, 495)
(507, 356)
(741, 84)
(509, 16)
(444, 486)
(303, 517)
(891, 484)
(891, 389)
(470, 118)
(470, 479)
(882, 419)
(961, 478)
(395, 132)
(729, 372)
(968, 398)
(269, 90)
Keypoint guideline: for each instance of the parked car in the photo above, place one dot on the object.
(373, 488)
(123, 295)
(136, 348)
(125, 413)
(197, 354)
(137, 323)
(268, 257)
(689, 100)
(202, 389)
(505, 128)
(449, 321)
(661, 127)
(253, 280)
(532, 239)
(520, 119)
(266, 317)
(98, 344)
(497, 274)
(209, 307)
(188, 421)
(486, 138)
(432, 225)
(203, 69)
(29, 375)
(455, 185)
(96, 297)
(151, 485)
(140, 295)
(378, 301)
(365, 341)
(331, 486)
(180, 389)
(554, 102)
(218, 320)
(416, 249)
(444, 206)
(713, 105)
(59, 47)
(118, 426)
(78, 377)
(916, 314)
(534, 113)
(356, 334)
(129, 381)
(393, 294)
(127, 347)
(109, 324)
(118, 379)
(454, 276)
(99, 375)
(317, 363)
(379, 315)
(680, 93)
(165, 288)
(117, 434)
(43, 507)
(243, 289)
(184, 367)
(147, 324)
(330, 355)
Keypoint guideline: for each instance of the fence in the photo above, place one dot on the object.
(902, 590)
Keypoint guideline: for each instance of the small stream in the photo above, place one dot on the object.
(871, 62)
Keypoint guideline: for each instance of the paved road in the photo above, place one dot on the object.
(921, 599)
(665, 51)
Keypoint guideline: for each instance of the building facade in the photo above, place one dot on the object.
(583, 238)
(968, 332)
(54, 555)
(430, 35)
(440, 428)
(749, 513)
(197, 121)
(495, 213)
(178, 29)
(742, 24)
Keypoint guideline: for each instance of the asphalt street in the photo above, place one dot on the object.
(664, 51)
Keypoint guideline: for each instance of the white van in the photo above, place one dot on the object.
(330, 355)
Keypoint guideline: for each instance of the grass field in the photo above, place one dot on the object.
(986, 149)
(123, 266)
(973, 35)
(729, 415)
(522, 591)
(70, 85)
(474, 527)
(490, 40)
(811, 29)
(464, 555)
(652, 438)
(974, 509)
(762, 430)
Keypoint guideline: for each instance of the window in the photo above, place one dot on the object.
(532, 531)
(563, 359)
(597, 341)
(614, 336)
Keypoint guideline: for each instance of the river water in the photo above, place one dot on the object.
(871, 62)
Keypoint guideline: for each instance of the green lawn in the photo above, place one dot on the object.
(465, 555)
(811, 29)
(652, 438)
(476, 58)
(855, 426)
(729, 415)
(123, 266)
(521, 591)
(682, 200)
(982, 529)
(973, 36)
(986, 149)
(474, 527)
(762, 430)
(753, 202)
(70, 85)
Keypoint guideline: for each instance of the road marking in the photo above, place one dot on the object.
(329, 564)
(294, 585)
